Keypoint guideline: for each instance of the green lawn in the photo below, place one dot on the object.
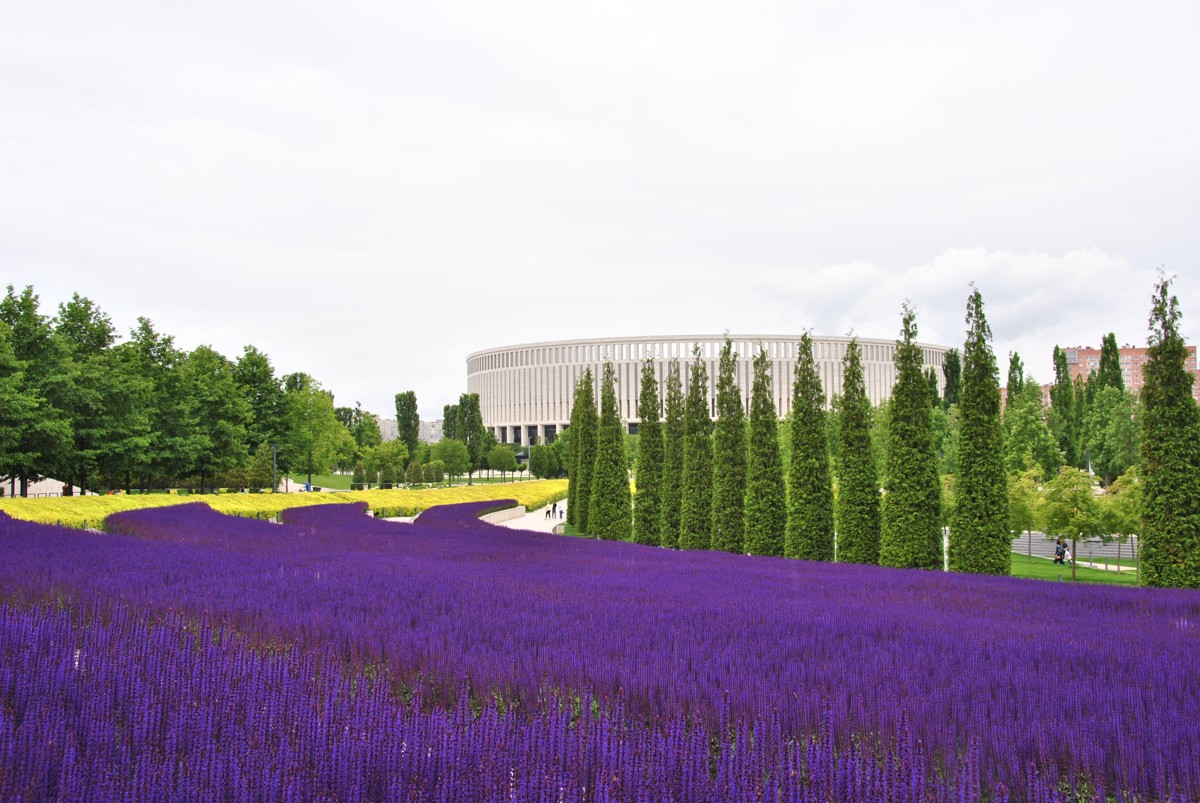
(1046, 569)
(341, 482)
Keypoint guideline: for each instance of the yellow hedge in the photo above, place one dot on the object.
(91, 511)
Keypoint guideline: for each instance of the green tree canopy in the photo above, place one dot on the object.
(1070, 508)
(952, 374)
(1027, 433)
(673, 448)
(584, 423)
(911, 535)
(809, 533)
(695, 519)
(729, 457)
(1170, 543)
(980, 542)
(766, 496)
(501, 458)
(408, 420)
(610, 510)
(858, 516)
(647, 511)
(1109, 374)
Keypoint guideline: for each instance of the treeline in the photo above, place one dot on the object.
(140, 414)
(881, 485)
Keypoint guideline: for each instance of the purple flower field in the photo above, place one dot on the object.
(189, 655)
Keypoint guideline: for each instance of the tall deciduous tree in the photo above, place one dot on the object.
(1027, 434)
(220, 413)
(1170, 554)
(450, 421)
(858, 517)
(1109, 374)
(1070, 509)
(673, 449)
(47, 438)
(610, 514)
(810, 488)
(1113, 432)
(766, 497)
(471, 431)
(729, 457)
(952, 374)
(1062, 418)
(254, 373)
(912, 534)
(584, 424)
(980, 542)
(408, 421)
(695, 520)
(1016, 375)
(316, 436)
(647, 511)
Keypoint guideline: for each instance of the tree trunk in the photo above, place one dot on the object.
(1074, 558)
(24, 486)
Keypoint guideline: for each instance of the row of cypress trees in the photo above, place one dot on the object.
(721, 486)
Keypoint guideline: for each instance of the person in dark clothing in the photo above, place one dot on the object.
(1060, 550)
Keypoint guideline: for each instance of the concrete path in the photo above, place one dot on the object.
(536, 520)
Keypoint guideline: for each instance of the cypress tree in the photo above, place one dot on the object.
(1109, 375)
(858, 483)
(583, 451)
(610, 513)
(931, 378)
(673, 447)
(912, 533)
(766, 499)
(695, 516)
(810, 487)
(952, 373)
(980, 541)
(729, 458)
(1170, 543)
(647, 512)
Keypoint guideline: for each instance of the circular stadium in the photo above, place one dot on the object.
(526, 391)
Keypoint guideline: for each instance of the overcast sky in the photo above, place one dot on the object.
(369, 192)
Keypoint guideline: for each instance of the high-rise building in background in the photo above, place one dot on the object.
(1083, 360)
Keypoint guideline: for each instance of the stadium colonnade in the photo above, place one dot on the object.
(526, 391)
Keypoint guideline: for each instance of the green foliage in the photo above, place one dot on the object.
(435, 471)
(857, 504)
(408, 421)
(729, 458)
(610, 510)
(470, 430)
(452, 454)
(1024, 500)
(1027, 433)
(1109, 375)
(695, 520)
(1113, 435)
(673, 448)
(1016, 375)
(647, 511)
(539, 461)
(911, 535)
(931, 378)
(1121, 506)
(264, 391)
(952, 374)
(501, 458)
(1062, 418)
(766, 497)
(584, 424)
(980, 542)
(1170, 543)
(316, 437)
(450, 421)
(1070, 507)
(809, 534)
(358, 478)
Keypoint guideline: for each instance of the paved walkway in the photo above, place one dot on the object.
(536, 520)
